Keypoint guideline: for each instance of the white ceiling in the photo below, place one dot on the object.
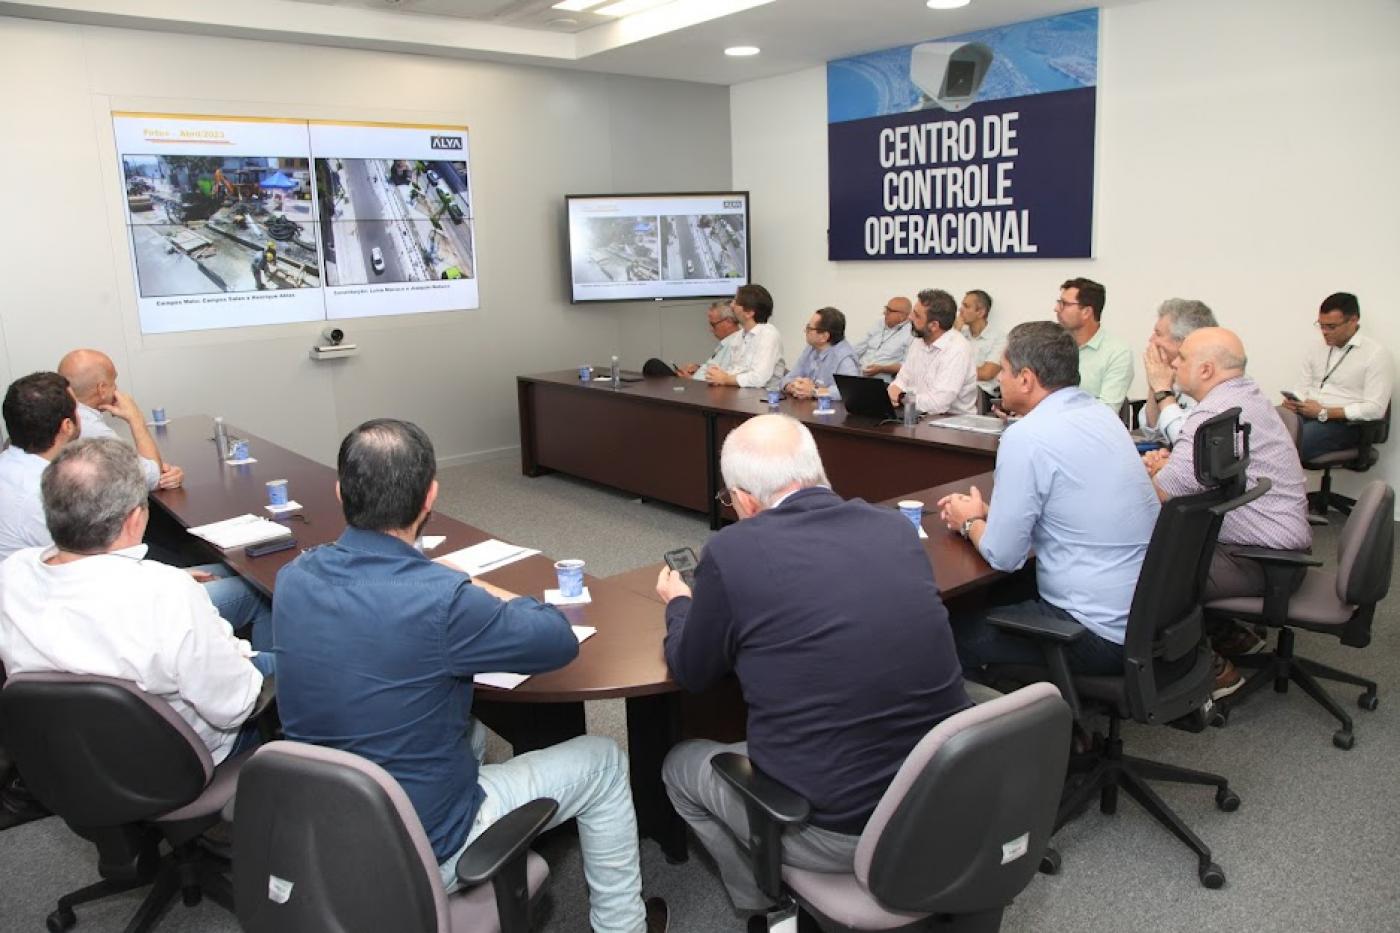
(793, 34)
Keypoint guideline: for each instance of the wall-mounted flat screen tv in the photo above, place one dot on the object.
(650, 247)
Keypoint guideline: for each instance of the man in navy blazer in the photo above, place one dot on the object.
(828, 612)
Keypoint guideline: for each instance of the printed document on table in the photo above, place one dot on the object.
(488, 555)
(240, 531)
(511, 681)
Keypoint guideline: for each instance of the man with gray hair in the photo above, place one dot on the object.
(1166, 409)
(841, 678)
(90, 605)
(724, 324)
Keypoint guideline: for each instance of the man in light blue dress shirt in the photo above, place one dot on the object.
(1070, 487)
(828, 353)
(882, 351)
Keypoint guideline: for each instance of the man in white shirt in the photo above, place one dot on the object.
(41, 418)
(938, 370)
(882, 351)
(1166, 407)
(1348, 378)
(724, 324)
(91, 605)
(758, 361)
(1105, 362)
(93, 377)
(988, 343)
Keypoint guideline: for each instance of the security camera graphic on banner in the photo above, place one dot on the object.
(948, 73)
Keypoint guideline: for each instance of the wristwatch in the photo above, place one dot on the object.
(1162, 395)
(1322, 414)
(966, 530)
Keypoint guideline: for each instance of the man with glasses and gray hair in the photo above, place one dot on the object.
(842, 677)
(1166, 407)
(724, 324)
(91, 605)
(882, 351)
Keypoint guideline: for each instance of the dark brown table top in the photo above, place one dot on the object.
(744, 403)
(623, 659)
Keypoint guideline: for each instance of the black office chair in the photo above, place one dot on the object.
(1358, 459)
(126, 772)
(1167, 673)
(324, 840)
(1130, 412)
(1340, 603)
(957, 835)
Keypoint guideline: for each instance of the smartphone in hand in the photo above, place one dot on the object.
(1290, 396)
(682, 560)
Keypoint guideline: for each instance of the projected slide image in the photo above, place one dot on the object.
(204, 225)
(394, 220)
(703, 246)
(617, 249)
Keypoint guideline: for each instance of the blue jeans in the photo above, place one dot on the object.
(1316, 438)
(588, 777)
(980, 643)
(239, 604)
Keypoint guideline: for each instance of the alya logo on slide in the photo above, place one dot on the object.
(733, 205)
(447, 142)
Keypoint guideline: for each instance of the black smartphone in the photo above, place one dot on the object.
(1290, 396)
(682, 560)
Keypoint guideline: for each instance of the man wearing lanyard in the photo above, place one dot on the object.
(1347, 379)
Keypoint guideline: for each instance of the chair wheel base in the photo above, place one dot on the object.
(1212, 876)
(1219, 716)
(1227, 800)
(61, 919)
(1343, 739)
(1368, 701)
(1050, 862)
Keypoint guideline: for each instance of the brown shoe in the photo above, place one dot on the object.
(1240, 641)
(1227, 679)
(658, 915)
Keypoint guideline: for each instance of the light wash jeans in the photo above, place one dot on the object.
(239, 604)
(587, 775)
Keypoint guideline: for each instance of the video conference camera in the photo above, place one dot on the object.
(949, 73)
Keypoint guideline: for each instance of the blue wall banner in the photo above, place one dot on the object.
(979, 146)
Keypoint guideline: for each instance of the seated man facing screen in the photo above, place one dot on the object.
(91, 605)
(1166, 408)
(41, 418)
(93, 377)
(1068, 485)
(1348, 377)
(842, 678)
(1210, 368)
(882, 351)
(988, 343)
(827, 354)
(724, 324)
(1105, 362)
(938, 368)
(377, 647)
(758, 360)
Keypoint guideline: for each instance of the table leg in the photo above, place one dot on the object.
(531, 726)
(653, 726)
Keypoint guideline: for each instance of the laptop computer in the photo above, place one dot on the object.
(866, 396)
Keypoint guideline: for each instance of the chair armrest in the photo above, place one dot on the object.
(1033, 624)
(770, 807)
(505, 840)
(1267, 556)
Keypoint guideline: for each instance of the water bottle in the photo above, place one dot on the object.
(221, 436)
(911, 410)
(616, 374)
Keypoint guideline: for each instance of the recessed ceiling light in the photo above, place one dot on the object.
(947, 4)
(576, 6)
(628, 7)
(741, 51)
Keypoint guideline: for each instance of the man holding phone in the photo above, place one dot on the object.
(841, 679)
(1348, 378)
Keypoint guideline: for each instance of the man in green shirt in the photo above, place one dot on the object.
(1105, 362)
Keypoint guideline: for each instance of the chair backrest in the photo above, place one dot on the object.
(1167, 656)
(1379, 433)
(1291, 423)
(962, 826)
(1366, 548)
(327, 840)
(99, 751)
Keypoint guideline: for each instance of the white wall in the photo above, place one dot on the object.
(536, 134)
(1246, 157)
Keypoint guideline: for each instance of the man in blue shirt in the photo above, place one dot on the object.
(827, 354)
(377, 646)
(1069, 485)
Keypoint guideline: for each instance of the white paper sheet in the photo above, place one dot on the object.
(239, 531)
(486, 556)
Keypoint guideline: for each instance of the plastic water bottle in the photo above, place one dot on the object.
(616, 374)
(911, 410)
(221, 436)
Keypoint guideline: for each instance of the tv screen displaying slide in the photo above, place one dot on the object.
(648, 247)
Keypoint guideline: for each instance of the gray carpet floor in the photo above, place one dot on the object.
(1315, 846)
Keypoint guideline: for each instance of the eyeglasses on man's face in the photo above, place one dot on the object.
(1061, 304)
(725, 497)
(1328, 328)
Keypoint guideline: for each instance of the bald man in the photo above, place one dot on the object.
(93, 378)
(841, 680)
(1211, 369)
(882, 351)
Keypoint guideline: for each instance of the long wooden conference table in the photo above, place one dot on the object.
(624, 660)
(660, 438)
